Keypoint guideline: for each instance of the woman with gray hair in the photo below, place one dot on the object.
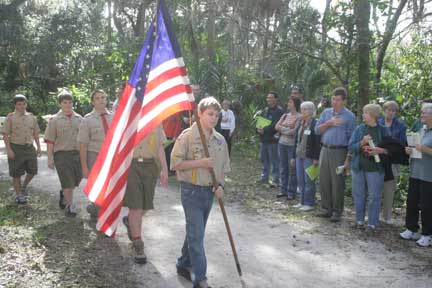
(367, 167)
(398, 131)
(420, 185)
(307, 151)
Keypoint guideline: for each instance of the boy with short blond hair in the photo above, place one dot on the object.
(19, 132)
(197, 192)
(63, 148)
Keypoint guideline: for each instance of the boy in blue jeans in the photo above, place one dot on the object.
(197, 191)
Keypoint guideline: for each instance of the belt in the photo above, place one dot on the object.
(23, 145)
(334, 146)
(187, 184)
(143, 160)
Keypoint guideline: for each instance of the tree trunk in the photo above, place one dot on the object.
(117, 21)
(211, 31)
(362, 12)
(109, 22)
(388, 35)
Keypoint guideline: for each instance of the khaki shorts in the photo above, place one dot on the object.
(25, 160)
(68, 168)
(141, 184)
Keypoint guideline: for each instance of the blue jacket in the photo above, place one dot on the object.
(397, 129)
(354, 146)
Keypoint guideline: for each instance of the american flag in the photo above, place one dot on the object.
(157, 88)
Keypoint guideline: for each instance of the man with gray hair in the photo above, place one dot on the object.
(335, 126)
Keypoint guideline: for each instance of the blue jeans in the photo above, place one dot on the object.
(306, 185)
(373, 182)
(288, 175)
(269, 156)
(197, 202)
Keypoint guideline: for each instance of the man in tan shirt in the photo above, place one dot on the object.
(197, 192)
(91, 135)
(63, 148)
(148, 164)
(19, 131)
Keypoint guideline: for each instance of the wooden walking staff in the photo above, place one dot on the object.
(215, 185)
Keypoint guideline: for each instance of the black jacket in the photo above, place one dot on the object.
(313, 143)
(396, 155)
(273, 114)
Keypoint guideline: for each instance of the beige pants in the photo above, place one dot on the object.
(388, 193)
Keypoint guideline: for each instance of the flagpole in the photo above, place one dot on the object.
(215, 185)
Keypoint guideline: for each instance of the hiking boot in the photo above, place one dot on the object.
(202, 284)
(62, 204)
(125, 220)
(184, 272)
(93, 211)
(70, 211)
(424, 241)
(281, 195)
(409, 235)
(138, 248)
(20, 200)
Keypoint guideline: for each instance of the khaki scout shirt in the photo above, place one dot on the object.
(188, 147)
(21, 127)
(92, 132)
(62, 131)
(148, 147)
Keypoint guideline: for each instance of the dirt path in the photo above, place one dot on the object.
(273, 252)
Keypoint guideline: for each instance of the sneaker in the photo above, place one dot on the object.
(409, 235)
(371, 230)
(70, 211)
(388, 222)
(424, 241)
(202, 284)
(125, 220)
(262, 181)
(306, 208)
(299, 205)
(358, 225)
(138, 248)
(21, 200)
(273, 184)
(184, 272)
(62, 204)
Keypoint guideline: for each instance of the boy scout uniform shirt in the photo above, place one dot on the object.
(148, 147)
(91, 130)
(62, 131)
(189, 147)
(21, 127)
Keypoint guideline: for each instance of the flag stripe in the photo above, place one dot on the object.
(157, 88)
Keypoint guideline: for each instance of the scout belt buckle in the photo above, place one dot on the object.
(140, 159)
